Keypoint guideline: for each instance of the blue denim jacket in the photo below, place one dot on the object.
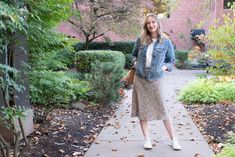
(163, 54)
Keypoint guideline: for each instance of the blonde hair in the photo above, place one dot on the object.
(145, 38)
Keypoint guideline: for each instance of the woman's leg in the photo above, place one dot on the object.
(144, 127)
(169, 127)
(145, 130)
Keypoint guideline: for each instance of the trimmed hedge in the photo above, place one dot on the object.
(125, 47)
(84, 59)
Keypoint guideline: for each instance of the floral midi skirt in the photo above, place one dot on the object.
(147, 100)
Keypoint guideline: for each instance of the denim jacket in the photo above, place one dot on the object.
(163, 54)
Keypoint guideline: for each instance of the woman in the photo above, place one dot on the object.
(152, 55)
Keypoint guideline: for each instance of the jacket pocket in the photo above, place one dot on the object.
(160, 50)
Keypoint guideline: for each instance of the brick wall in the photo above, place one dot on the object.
(182, 19)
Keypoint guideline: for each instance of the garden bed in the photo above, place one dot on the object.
(215, 122)
(67, 132)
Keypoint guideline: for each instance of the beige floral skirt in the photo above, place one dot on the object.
(147, 100)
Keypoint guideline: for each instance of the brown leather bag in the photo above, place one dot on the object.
(130, 76)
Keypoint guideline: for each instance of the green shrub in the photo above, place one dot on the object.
(74, 75)
(208, 91)
(125, 47)
(226, 90)
(66, 57)
(200, 91)
(181, 59)
(84, 59)
(228, 151)
(54, 88)
(128, 63)
(105, 82)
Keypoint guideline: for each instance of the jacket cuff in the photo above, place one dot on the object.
(133, 60)
(169, 66)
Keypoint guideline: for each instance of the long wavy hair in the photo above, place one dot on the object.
(145, 38)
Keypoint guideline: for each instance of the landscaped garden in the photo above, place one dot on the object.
(63, 80)
(75, 86)
(210, 99)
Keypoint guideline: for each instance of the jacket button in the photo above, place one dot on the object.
(153, 56)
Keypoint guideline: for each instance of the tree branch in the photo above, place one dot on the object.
(94, 37)
(76, 5)
(7, 146)
(16, 141)
(79, 27)
(2, 149)
(22, 130)
(113, 12)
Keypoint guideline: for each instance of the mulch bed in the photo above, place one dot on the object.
(66, 132)
(215, 122)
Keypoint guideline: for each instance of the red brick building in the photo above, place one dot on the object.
(190, 13)
(184, 16)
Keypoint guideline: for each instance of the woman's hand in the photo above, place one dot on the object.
(164, 68)
(135, 63)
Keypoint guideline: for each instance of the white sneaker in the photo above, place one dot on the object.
(147, 143)
(175, 144)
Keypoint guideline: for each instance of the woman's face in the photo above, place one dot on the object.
(151, 25)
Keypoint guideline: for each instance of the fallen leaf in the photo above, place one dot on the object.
(192, 139)
(197, 155)
(35, 138)
(220, 145)
(141, 155)
(75, 141)
(62, 151)
(59, 144)
(77, 153)
(38, 133)
(117, 125)
(36, 126)
(97, 142)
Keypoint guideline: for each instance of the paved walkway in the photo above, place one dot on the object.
(123, 137)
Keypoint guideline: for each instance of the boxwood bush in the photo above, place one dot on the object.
(84, 59)
(125, 47)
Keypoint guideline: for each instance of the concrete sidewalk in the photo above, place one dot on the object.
(122, 137)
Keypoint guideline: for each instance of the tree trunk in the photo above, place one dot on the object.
(6, 90)
(87, 42)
